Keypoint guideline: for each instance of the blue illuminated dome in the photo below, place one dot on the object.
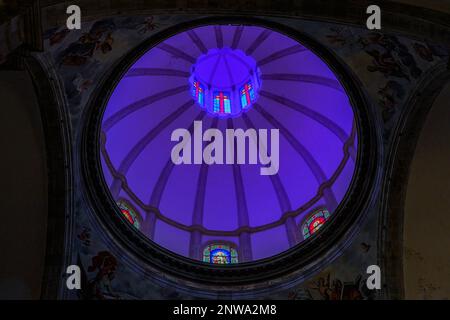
(229, 213)
(225, 82)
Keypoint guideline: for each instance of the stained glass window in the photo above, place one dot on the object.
(314, 222)
(220, 254)
(129, 213)
(222, 102)
(247, 95)
(198, 92)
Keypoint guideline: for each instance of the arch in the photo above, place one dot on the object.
(426, 263)
(54, 117)
(406, 135)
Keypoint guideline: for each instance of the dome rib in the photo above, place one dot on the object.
(230, 73)
(160, 185)
(214, 69)
(306, 78)
(242, 208)
(135, 106)
(258, 41)
(199, 205)
(242, 212)
(145, 72)
(137, 149)
(197, 41)
(282, 220)
(280, 191)
(198, 211)
(281, 54)
(303, 152)
(219, 36)
(176, 52)
(237, 37)
(319, 118)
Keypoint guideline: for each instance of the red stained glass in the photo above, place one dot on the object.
(314, 222)
(128, 215)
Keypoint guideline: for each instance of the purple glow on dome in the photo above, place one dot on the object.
(225, 82)
(194, 209)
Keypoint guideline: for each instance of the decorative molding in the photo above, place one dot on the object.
(414, 21)
(307, 256)
(197, 227)
(54, 113)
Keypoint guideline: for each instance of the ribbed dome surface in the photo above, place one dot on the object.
(223, 68)
(186, 207)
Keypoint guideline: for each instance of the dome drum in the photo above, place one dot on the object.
(225, 82)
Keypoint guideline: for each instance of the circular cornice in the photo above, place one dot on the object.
(307, 255)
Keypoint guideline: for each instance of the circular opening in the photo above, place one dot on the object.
(312, 252)
(197, 175)
(225, 82)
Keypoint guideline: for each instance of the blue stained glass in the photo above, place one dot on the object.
(221, 102)
(227, 105)
(201, 98)
(198, 92)
(220, 254)
(243, 101)
(247, 95)
(216, 102)
(252, 93)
